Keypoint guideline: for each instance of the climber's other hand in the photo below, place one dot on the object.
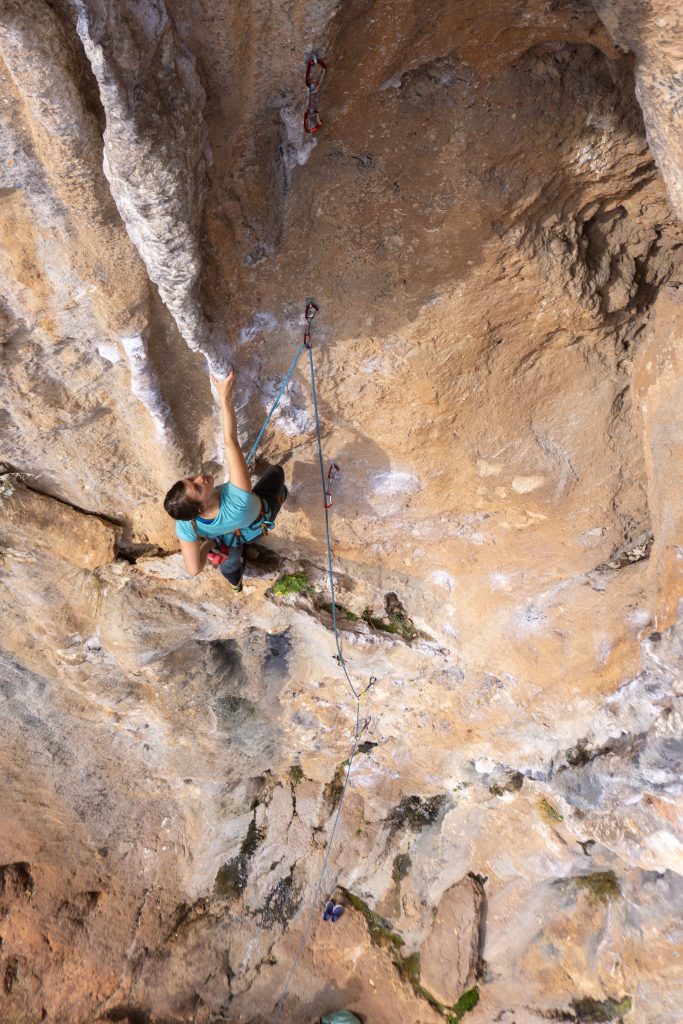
(226, 387)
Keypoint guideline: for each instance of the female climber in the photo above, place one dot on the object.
(216, 522)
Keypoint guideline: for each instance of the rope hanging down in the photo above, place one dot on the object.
(315, 72)
(326, 481)
(275, 404)
(340, 659)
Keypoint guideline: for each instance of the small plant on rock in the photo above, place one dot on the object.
(600, 887)
(293, 583)
(467, 1001)
(548, 812)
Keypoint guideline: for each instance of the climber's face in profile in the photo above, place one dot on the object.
(199, 488)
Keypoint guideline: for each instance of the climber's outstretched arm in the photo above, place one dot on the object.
(194, 555)
(237, 466)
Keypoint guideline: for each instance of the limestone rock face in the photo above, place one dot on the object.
(653, 33)
(489, 221)
(32, 521)
(657, 384)
(155, 149)
(450, 953)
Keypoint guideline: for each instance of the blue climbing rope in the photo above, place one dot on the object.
(311, 310)
(306, 343)
(316, 896)
(340, 656)
(315, 71)
(275, 404)
(357, 697)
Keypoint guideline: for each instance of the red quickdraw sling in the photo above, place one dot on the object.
(315, 72)
(309, 315)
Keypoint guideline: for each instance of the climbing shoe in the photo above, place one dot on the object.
(281, 497)
(333, 911)
(234, 578)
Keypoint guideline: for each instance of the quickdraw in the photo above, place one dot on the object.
(332, 474)
(310, 314)
(315, 72)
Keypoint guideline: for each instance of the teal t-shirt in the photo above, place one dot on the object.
(238, 508)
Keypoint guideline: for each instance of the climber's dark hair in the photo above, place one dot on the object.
(178, 505)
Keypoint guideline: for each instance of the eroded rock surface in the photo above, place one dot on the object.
(488, 221)
(33, 521)
(450, 954)
(653, 33)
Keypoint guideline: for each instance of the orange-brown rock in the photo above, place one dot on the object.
(489, 221)
(34, 522)
(449, 956)
(658, 383)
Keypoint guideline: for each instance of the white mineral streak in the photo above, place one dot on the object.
(260, 324)
(296, 145)
(65, 157)
(156, 153)
(396, 482)
(290, 417)
(145, 386)
(33, 48)
(108, 352)
(443, 579)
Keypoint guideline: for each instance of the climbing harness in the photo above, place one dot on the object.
(315, 72)
(225, 542)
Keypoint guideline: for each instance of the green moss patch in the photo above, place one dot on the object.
(232, 711)
(548, 812)
(390, 624)
(395, 620)
(400, 867)
(293, 583)
(282, 903)
(296, 774)
(600, 887)
(342, 612)
(333, 790)
(379, 928)
(409, 968)
(467, 1001)
(415, 813)
(232, 877)
(595, 1011)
